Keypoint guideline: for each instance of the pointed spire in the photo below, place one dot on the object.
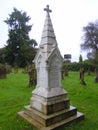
(48, 36)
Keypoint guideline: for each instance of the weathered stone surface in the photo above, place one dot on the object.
(2, 71)
(96, 76)
(50, 119)
(49, 105)
(58, 125)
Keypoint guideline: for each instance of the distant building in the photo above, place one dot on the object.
(67, 57)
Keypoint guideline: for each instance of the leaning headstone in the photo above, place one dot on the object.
(81, 73)
(32, 75)
(49, 105)
(96, 76)
(2, 71)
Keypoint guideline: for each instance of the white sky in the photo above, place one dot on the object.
(68, 19)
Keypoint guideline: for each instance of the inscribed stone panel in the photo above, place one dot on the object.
(54, 75)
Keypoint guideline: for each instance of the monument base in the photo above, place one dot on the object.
(50, 113)
(53, 121)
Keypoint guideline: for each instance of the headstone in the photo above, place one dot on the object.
(32, 75)
(96, 76)
(66, 72)
(8, 68)
(81, 72)
(49, 105)
(2, 71)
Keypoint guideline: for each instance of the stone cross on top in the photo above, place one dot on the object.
(47, 9)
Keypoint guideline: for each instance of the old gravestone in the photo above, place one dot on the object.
(32, 75)
(96, 76)
(81, 73)
(8, 68)
(49, 105)
(2, 71)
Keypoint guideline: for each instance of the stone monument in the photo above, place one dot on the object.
(49, 105)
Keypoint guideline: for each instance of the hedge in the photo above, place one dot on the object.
(76, 66)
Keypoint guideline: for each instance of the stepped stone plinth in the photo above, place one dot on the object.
(49, 107)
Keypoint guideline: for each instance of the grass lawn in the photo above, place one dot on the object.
(15, 94)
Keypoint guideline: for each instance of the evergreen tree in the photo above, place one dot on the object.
(80, 58)
(19, 46)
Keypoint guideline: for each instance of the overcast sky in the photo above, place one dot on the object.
(68, 19)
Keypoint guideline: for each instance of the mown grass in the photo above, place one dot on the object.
(15, 94)
(85, 98)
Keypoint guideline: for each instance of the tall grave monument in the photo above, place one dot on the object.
(49, 105)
